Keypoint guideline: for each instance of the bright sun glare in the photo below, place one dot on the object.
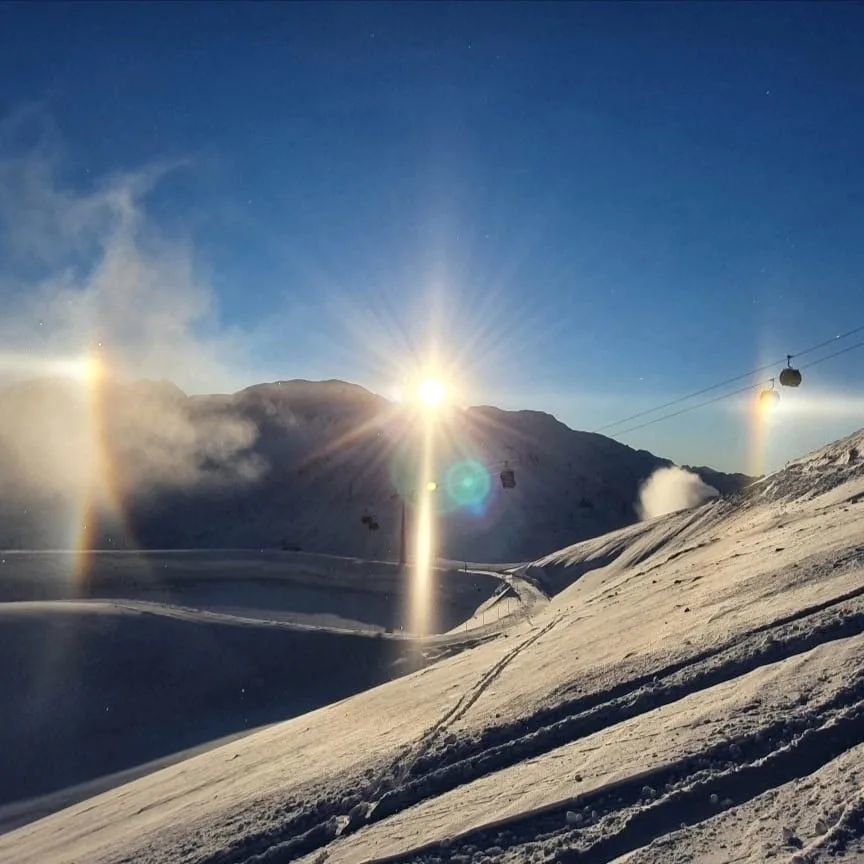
(431, 392)
(86, 368)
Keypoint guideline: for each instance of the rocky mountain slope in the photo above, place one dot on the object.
(301, 465)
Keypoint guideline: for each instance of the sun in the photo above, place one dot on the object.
(431, 392)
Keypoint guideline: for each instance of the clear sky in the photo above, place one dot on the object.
(593, 208)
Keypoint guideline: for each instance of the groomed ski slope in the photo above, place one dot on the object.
(692, 690)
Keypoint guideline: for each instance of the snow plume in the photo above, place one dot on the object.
(85, 263)
(671, 489)
(54, 440)
(87, 277)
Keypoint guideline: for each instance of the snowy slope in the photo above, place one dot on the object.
(181, 648)
(298, 463)
(692, 691)
(317, 590)
(100, 686)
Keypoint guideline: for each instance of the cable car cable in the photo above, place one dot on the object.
(835, 354)
(691, 408)
(735, 392)
(828, 342)
(690, 395)
(732, 380)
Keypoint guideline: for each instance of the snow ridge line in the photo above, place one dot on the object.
(208, 616)
(814, 749)
(504, 746)
(564, 708)
(760, 760)
(690, 521)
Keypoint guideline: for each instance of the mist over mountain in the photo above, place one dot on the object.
(318, 466)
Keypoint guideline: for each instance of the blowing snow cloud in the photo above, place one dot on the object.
(671, 489)
(85, 271)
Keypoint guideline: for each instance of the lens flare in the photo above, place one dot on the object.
(468, 484)
(421, 585)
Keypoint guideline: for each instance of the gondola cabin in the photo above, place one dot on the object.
(508, 478)
(790, 377)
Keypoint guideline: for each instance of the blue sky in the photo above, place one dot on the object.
(593, 207)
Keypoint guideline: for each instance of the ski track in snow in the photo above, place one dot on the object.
(774, 759)
(279, 849)
(465, 702)
(421, 773)
(547, 731)
(672, 809)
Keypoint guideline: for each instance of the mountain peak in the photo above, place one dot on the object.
(303, 462)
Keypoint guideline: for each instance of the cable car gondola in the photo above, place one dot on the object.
(790, 377)
(508, 477)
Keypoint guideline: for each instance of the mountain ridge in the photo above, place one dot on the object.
(300, 464)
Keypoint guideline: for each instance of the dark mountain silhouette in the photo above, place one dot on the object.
(323, 466)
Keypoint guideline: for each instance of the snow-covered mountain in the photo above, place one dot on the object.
(298, 464)
(688, 689)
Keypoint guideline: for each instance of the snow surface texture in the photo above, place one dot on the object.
(692, 690)
(299, 464)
